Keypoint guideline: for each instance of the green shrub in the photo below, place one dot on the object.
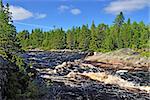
(145, 54)
(32, 90)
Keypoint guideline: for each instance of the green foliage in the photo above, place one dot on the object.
(70, 39)
(19, 62)
(119, 20)
(19, 83)
(17, 76)
(93, 41)
(84, 38)
(145, 54)
(32, 90)
(23, 38)
(55, 39)
(36, 38)
(8, 40)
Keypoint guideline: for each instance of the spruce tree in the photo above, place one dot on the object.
(84, 38)
(23, 37)
(101, 34)
(76, 37)
(119, 21)
(36, 38)
(9, 44)
(17, 77)
(93, 41)
(70, 39)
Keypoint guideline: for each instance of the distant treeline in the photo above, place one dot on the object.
(96, 38)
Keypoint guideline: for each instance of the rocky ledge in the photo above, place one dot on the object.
(76, 76)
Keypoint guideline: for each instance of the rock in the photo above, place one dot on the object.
(61, 66)
(122, 75)
(121, 72)
(94, 91)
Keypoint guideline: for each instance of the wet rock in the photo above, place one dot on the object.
(139, 77)
(66, 71)
(92, 91)
(52, 58)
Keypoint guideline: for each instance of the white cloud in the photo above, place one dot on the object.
(63, 8)
(117, 6)
(19, 13)
(40, 16)
(75, 11)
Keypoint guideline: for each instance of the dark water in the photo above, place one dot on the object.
(49, 59)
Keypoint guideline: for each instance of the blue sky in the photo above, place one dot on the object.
(45, 14)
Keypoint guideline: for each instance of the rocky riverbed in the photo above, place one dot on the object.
(73, 75)
(46, 59)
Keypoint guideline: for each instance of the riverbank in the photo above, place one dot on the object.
(117, 75)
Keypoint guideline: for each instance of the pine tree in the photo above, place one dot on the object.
(57, 39)
(45, 43)
(93, 42)
(144, 35)
(119, 21)
(61, 39)
(126, 34)
(136, 34)
(110, 40)
(9, 44)
(23, 37)
(71, 39)
(84, 38)
(101, 34)
(9, 48)
(36, 38)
